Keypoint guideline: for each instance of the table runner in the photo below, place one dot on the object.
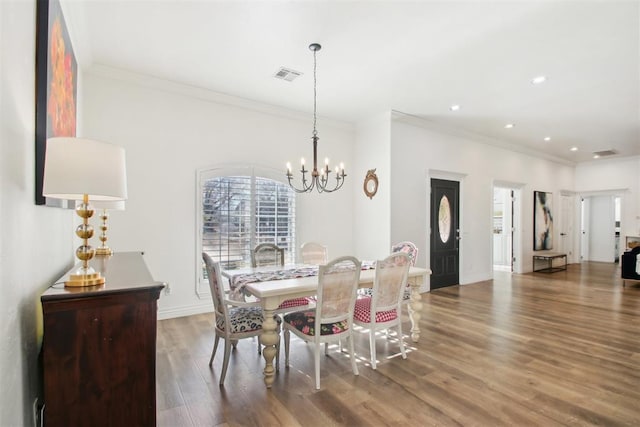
(238, 282)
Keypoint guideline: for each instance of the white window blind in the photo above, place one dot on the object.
(275, 215)
(240, 212)
(227, 219)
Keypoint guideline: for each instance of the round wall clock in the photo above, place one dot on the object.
(371, 183)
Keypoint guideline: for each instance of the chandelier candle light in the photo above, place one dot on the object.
(319, 177)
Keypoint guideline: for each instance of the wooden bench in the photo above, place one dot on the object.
(547, 258)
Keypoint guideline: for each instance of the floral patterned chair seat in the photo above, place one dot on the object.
(305, 321)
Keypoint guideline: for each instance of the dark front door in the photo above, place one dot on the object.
(445, 233)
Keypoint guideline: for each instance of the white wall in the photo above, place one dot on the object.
(36, 242)
(418, 149)
(614, 176)
(169, 132)
(372, 233)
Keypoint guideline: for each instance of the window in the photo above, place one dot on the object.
(241, 209)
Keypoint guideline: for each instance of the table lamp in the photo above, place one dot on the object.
(84, 169)
(104, 206)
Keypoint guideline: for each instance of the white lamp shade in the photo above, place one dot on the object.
(74, 167)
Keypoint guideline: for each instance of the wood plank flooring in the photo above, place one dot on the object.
(533, 349)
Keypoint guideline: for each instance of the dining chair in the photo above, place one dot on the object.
(266, 254)
(313, 253)
(382, 310)
(332, 318)
(410, 249)
(234, 320)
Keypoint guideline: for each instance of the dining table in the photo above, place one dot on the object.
(276, 284)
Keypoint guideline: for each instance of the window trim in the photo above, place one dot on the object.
(202, 174)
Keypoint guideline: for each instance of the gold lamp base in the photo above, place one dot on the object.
(85, 275)
(80, 280)
(105, 251)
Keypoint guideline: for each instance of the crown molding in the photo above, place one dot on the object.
(612, 159)
(157, 83)
(439, 127)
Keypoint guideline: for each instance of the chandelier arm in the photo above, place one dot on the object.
(305, 188)
(326, 190)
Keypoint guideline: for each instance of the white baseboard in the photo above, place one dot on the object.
(475, 278)
(184, 311)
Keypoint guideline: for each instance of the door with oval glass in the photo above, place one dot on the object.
(445, 233)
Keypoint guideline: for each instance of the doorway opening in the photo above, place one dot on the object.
(616, 203)
(600, 228)
(503, 229)
(506, 228)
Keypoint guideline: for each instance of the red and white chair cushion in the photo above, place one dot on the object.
(362, 312)
(296, 302)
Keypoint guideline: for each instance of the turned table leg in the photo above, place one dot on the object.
(415, 306)
(269, 339)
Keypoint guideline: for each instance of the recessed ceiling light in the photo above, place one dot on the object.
(595, 156)
(455, 107)
(509, 126)
(539, 79)
(547, 138)
(573, 148)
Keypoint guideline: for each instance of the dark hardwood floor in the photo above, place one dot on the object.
(533, 349)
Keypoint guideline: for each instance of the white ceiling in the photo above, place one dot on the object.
(416, 57)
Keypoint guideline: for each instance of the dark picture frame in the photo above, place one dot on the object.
(542, 221)
(56, 85)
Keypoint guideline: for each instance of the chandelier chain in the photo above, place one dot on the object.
(315, 132)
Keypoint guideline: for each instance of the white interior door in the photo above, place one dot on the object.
(516, 244)
(566, 226)
(602, 229)
(585, 211)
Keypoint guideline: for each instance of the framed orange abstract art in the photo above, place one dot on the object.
(56, 84)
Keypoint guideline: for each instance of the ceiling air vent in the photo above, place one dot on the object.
(287, 74)
(605, 153)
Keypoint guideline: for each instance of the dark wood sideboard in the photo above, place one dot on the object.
(99, 347)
